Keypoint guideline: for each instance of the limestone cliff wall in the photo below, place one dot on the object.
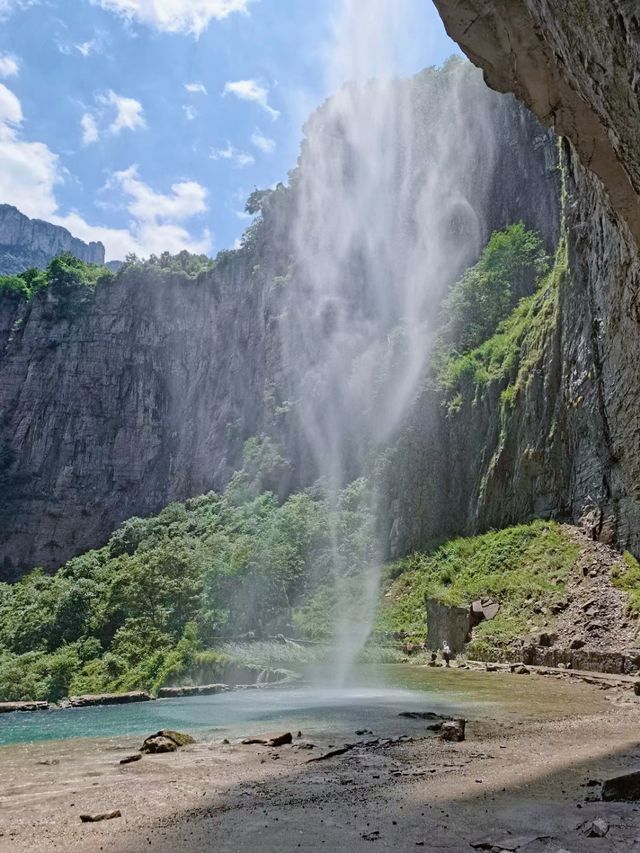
(117, 401)
(28, 242)
(572, 445)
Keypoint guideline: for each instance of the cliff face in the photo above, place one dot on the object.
(28, 243)
(572, 445)
(117, 401)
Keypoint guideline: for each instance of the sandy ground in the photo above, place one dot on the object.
(518, 782)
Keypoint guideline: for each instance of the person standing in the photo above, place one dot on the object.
(446, 653)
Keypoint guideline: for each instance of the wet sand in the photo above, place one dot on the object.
(519, 781)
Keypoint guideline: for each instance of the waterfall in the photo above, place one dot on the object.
(383, 223)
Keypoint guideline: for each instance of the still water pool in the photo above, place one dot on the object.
(374, 693)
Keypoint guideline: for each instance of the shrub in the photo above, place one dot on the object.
(509, 269)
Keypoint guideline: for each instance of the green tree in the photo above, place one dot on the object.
(510, 268)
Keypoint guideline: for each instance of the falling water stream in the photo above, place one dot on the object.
(385, 220)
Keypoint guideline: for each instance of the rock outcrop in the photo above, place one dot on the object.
(576, 65)
(28, 243)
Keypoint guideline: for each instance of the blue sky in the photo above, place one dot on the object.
(147, 123)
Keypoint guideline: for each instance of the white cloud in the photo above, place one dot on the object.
(240, 159)
(31, 171)
(10, 110)
(251, 90)
(195, 88)
(157, 219)
(128, 112)
(190, 17)
(262, 143)
(86, 48)
(157, 222)
(89, 129)
(7, 7)
(190, 112)
(187, 198)
(9, 66)
(128, 115)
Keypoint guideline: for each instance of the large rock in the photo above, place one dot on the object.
(191, 690)
(453, 730)
(8, 707)
(166, 740)
(447, 624)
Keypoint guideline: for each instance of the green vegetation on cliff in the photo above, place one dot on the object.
(510, 355)
(63, 272)
(510, 268)
(524, 568)
(154, 605)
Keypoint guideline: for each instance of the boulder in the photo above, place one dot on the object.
(180, 738)
(451, 625)
(157, 744)
(543, 639)
(129, 759)
(624, 788)
(483, 609)
(453, 730)
(190, 690)
(269, 740)
(166, 740)
(597, 828)
(418, 715)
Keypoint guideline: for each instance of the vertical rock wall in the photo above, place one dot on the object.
(573, 446)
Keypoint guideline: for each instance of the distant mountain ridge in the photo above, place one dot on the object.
(28, 242)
